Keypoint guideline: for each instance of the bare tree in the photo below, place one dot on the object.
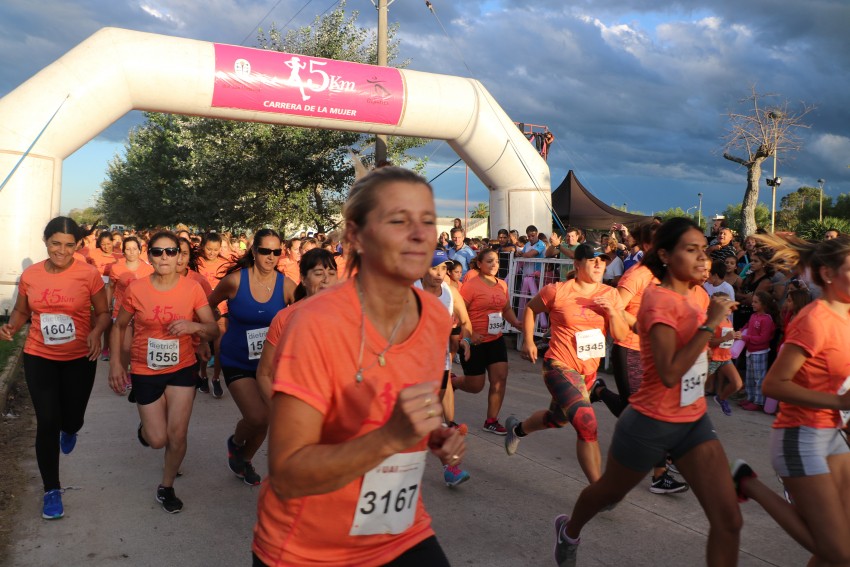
(762, 132)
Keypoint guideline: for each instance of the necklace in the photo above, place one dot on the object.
(380, 360)
(257, 279)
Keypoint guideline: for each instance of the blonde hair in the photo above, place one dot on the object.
(790, 252)
(363, 198)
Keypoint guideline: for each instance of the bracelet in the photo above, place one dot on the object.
(469, 342)
(706, 328)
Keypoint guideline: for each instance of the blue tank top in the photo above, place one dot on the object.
(248, 321)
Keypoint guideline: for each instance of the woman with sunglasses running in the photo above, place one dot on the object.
(167, 310)
(255, 291)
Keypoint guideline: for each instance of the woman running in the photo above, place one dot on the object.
(60, 353)
(668, 414)
(488, 305)
(318, 272)
(102, 258)
(810, 379)
(255, 291)
(167, 310)
(582, 311)
(213, 266)
(126, 270)
(352, 419)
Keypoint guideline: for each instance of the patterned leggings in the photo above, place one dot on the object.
(570, 401)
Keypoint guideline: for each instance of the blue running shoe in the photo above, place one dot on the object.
(565, 552)
(67, 441)
(454, 476)
(724, 405)
(53, 509)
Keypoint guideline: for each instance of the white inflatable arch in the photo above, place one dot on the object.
(115, 71)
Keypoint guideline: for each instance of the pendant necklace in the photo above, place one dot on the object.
(380, 359)
(257, 279)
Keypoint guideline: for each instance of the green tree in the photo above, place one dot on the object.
(756, 134)
(89, 215)
(799, 206)
(480, 211)
(238, 175)
(678, 212)
(734, 217)
(841, 207)
(815, 229)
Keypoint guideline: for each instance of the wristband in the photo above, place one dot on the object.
(469, 342)
(706, 328)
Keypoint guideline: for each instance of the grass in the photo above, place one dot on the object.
(8, 347)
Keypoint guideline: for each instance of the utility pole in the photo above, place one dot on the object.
(383, 31)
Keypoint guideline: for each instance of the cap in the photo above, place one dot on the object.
(585, 251)
(718, 217)
(440, 257)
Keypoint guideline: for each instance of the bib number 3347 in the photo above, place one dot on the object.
(389, 495)
(693, 382)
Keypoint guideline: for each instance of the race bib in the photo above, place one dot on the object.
(693, 382)
(494, 323)
(845, 414)
(389, 495)
(105, 279)
(727, 344)
(163, 353)
(256, 339)
(590, 344)
(57, 329)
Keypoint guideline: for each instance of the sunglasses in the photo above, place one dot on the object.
(157, 252)
(267, 251)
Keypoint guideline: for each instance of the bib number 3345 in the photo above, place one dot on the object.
(389, 495)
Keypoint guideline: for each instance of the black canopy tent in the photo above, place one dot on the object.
(576, 206)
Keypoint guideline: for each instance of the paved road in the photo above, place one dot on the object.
(502, 517)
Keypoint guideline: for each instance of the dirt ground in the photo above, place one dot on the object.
(17, 439)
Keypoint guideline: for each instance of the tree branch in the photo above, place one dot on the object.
(736, 159)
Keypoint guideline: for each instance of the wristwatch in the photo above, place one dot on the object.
(706, 328)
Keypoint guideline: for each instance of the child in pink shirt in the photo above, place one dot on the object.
(759, 332)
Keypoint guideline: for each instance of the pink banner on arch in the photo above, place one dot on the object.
(283, 83)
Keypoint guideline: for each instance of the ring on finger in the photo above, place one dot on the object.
(455, 458)
(431, 413)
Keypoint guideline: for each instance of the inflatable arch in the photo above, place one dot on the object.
(114, 71)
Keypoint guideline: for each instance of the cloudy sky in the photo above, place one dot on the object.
(636, 91)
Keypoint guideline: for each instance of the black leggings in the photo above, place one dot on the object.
(427, 553)
(60, 391)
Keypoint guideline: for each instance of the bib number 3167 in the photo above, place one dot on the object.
(389, 495)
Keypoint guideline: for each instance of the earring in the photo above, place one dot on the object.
(828, 281)
(663, 265)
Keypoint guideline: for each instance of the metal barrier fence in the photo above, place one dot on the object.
(526, 276)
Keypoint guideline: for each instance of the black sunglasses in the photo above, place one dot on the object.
(157, 252)
(267, 251)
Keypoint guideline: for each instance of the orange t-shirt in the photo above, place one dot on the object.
(315, 529)
(341, 267)
(213, 272)
(482, 300)
(471, 275)
(684, 314)
(290, 269)
(822, 334)
(570, 312)
(153, 311)
(635, 281)
(205, 285)
(121, 276)
(102, 261)
(278, 324)
(59, 297)
(724, 350)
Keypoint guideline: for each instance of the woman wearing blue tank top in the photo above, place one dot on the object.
(255, 291)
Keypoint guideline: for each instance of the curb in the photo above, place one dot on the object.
(10, 373)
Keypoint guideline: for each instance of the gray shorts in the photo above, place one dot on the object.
(802, 451)
(715, 365)
(641, 442)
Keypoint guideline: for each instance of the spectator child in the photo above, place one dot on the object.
(759, 333)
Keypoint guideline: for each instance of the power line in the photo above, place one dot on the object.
(255, 28)
(430, 7)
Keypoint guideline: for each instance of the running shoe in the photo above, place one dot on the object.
(141, 437)
(750, 406)
(740, 471)
(53, 509)
(211, 362)
(600, 383)
(724, 405)
(454, 476)
(493, 426)
(565, 552)
(511, 438)
(170, 503)
(461, 427)
(250, 476)
(672, 468)
(666, 484)
(234, 458)
(67, 441)
(217, 392)
(104, 355)
(203, 385)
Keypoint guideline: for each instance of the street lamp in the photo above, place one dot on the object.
(688, 211)
(774, 115)
(699, 211)
(820, 213)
